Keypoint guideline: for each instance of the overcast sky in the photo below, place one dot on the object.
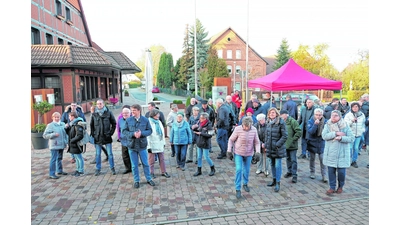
(133, 26)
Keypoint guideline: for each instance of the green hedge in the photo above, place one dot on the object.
(134, 84)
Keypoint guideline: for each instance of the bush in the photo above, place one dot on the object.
(134, 84)
(155, 99)
(188, 101)
(208, 94)
(177, 102)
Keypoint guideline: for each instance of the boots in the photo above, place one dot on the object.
(212, 172)
(277, 186)
(272, 183)
(198, 172)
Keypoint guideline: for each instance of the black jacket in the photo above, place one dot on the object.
(102, 127)
(75, 134)
(204, 139)
(275, 139)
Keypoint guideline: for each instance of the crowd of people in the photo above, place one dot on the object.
(261, 135)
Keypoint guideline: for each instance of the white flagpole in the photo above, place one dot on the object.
(247, 54)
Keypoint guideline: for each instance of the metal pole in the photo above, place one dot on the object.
(247, 52)
(195, 50)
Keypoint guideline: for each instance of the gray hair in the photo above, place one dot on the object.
(247, 121)
(260, 116)
(195, 108)
(337, 112)
(219, 100)
(204, 115)
(154, 112)
(318, 110)
(173, 106)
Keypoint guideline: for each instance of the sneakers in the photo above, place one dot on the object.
(258, 171)
(136, 185)
(354, 164)
(97, 172)
(287, 175)
(78, 174)
(294, 180)
(312, 176)
(165, 175)
(266, 173)
(151, 183)
(54, 177)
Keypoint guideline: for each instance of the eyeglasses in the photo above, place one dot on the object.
(73, 105)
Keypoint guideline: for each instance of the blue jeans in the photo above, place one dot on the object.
(276, 167)
(242, 170)
(56, 161)
(80, 165)
(341, 176)
(98, 156)
(206, 152)
(354, 149)
(304, 147)
(291, 162)
(222, 140)
(142, 154)
(180, 151)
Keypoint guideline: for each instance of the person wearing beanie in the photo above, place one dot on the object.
(181, 137)
(294, 133)
(249, 112)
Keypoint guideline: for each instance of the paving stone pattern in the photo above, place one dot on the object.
(185, 199)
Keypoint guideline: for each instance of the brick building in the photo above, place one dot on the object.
(65, 63)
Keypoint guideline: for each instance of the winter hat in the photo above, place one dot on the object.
(250, 110)
(181, 113)
(284, 112)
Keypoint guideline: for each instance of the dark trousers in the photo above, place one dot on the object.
(125, 157)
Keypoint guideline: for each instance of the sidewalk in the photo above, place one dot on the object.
(185, 199)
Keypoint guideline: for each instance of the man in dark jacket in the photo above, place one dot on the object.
(294, 133)
(305, 115)
(102, 127)
(188, 111)
(207, 109)
(137, 131)
(291, 107)
(222, 127)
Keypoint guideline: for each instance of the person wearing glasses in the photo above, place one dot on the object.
(337, 154)
(74, 107)
(315, 143)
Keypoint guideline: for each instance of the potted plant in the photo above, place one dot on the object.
(126, 92)
(114, 101)
(179, 103)
(38, 141)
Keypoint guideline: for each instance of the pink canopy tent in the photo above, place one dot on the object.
(292, 77)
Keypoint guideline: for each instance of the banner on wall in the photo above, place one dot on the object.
(219, 92)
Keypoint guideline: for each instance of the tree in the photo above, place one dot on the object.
(283, 55)
(201, 51)
(216, 67)
(165, 74)
(357, 73)
(184, 63)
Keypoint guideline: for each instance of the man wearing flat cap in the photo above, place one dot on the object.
(206, 108)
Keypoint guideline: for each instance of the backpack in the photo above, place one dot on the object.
(85, 139)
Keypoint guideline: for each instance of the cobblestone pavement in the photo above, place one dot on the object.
(185, 199)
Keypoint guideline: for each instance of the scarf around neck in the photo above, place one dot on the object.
(157, 124)
(179, 124)
(321, 126)
(338, 126)
(202, 124)
(100, 111)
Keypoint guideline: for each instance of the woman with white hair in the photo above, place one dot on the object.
(338, 136)
(263, 164)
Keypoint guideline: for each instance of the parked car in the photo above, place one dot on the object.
(298, 97)
(155, 90)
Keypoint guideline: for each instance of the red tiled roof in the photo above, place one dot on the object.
(75, 4)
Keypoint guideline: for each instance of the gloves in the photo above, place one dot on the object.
(230, 155)
(149, 150)
(257, 156)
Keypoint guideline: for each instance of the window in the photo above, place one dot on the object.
(54, 83)
(58, 7)
(35, 83)
(229, 54)
(35, 36)
(69, 43)
(229, 67)
(238, 69)
(220, 53)
(238, 54)
(68, 14)
(49, 39)
(60, 41)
